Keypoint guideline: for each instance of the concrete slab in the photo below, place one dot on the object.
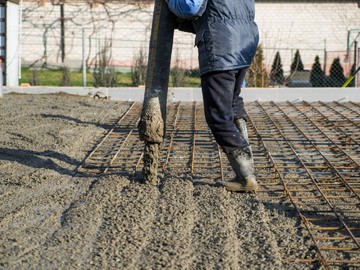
(195, 94)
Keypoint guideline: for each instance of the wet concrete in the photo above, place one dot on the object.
(52, 218)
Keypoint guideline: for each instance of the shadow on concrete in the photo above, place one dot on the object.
(39, 159)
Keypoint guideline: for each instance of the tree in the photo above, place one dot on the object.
(104, 72)
(317, 75)
(257, 75)
(66, 77)
(336, 77)
(138, 70)
(62, 30)
(297, 64)
(101, 19)
(277, 72)
(178, 75)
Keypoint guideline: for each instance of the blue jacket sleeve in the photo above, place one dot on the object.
(187, 9)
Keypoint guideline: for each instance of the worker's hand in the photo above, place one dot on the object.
(184, 25)
(187, 9)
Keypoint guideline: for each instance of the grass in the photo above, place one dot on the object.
(193, 81)
(52, 77)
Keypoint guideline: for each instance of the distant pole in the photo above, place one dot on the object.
(325, 56)
(1, 79)
(356, 62)
(20, 37)
(83, 60)
(62, 29)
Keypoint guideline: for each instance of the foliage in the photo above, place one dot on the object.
(34, 80)
(193, 73)
(257, 75)
(297, 64)
(317, 75)
(66, 77)
(138, 71)
(104, 74)
(277, 72)
(50, 26)
(193, 81)
(51, 77)
(336, 77)
(177, 73)
(178, 77)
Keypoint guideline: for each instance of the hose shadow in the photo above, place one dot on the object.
(40, 159)
(77, 121)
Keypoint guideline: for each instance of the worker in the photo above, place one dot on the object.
(226, 38)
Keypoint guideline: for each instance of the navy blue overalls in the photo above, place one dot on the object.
(227, 38)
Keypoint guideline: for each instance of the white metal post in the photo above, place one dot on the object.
(20, 36)
(356, 64)
(83, 60)
(1, 79)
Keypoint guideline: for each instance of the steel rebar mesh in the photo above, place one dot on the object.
(306, 154)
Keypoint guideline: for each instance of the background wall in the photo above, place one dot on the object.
(314, 27)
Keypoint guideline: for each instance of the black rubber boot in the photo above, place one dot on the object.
(241, 161)
(240, 123)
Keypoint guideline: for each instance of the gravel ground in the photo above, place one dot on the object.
(52, 218)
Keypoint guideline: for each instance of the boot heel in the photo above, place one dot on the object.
(251, 184)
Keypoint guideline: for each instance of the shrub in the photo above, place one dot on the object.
(65, 78)
(257, 75)
(336, 77)
(297, 64)
(34, 77)
(138, 70)
(193, 73)
(178, 74)
(104, 73)
(277, 72)
(317, 75)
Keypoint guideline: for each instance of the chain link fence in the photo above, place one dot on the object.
(302, 43)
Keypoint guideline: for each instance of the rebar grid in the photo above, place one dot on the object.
(312, 166)
(307, 153)
(120, 143)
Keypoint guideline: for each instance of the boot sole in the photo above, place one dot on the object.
(251, 185)
(237, 187)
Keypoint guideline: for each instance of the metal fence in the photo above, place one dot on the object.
(302, 43)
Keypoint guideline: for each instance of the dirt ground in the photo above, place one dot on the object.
(52, 218)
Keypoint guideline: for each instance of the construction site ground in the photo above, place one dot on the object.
(72, 197)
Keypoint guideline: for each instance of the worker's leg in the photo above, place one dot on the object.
(218, 95)
(238, 102)
(240, 115)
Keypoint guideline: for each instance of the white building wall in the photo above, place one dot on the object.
(284, 26)
(310, 27)
(127, 26)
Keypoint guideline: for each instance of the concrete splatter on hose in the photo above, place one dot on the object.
(153, 118)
